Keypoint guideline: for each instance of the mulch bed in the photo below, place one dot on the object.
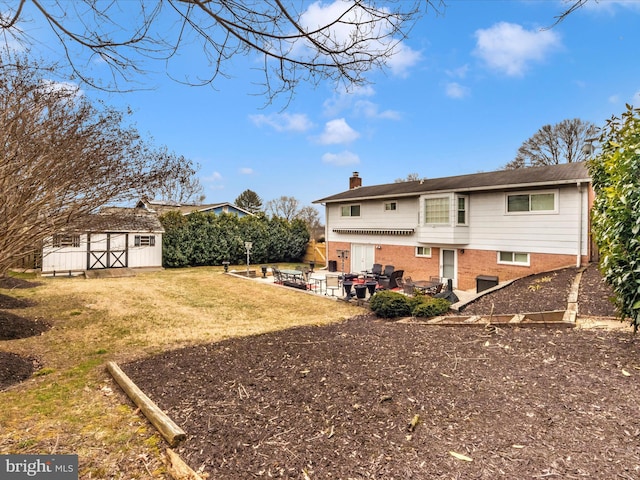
(375, 399)
(535, 293)
(14, 369)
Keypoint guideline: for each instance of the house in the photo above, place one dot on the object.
(159, 207)
(505, 224)
(113, 238)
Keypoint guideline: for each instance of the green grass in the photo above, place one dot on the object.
(71, 405)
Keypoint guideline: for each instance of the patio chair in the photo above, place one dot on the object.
(333, 284)
(407, 285)
(277, 275)
(376, 271)
(391, 282)
(386, 273)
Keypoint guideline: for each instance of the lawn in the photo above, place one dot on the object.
(72, 406)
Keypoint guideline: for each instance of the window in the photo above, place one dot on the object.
(391, 206)
(145, 241)
(531, 202)
(351, 211)
(462, 211)
(60, 241)
(423, 251)
(436, 210)
(513, 258)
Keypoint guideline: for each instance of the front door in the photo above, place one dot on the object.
(362, 257)
(448, 265)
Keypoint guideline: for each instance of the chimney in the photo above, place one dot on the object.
(355, 181)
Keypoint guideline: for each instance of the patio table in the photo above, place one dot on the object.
(427, 286)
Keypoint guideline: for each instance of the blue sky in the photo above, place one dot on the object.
(471, 85)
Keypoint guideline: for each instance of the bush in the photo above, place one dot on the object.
(431, 307)
(388, 304)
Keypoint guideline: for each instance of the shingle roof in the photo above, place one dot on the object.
(566, 173)
(113, 219)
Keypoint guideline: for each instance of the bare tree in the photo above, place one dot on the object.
(341, 41)
(284, 207)
(411, 177)
(181, 184)
(62, 159)
(563, 142)
(311, 217)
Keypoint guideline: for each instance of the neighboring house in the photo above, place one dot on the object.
(159, 207)
(505, 224)
(113, 238)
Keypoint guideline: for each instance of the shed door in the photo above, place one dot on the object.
(107, 250)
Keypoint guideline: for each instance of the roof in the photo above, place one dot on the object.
(562, 174)
(115, 219)
(163, 206)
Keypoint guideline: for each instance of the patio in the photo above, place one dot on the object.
(316, 284)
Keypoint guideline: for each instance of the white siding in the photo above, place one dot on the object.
(374, 216)
(64, 258)
(491, 228)
(145, 256)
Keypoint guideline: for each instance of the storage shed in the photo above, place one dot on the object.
(113, 238)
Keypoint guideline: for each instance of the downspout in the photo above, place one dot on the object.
(326, 236)
(580, 211)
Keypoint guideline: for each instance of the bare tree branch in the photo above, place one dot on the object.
(297, 43)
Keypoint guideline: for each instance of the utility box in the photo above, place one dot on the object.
(484, 282)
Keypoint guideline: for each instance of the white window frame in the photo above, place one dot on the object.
(513, 261)
(350, 207)
(466, 209)
(391, 206)
(423, 255)
(555, 194)
(437, 197)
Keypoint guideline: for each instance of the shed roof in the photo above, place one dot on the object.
(116, 219)
(566, 173)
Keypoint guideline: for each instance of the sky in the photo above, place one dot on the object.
(471, 84)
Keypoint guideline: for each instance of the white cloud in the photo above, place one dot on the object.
(455, 90)
(246, 171)
(213, 178)
(343, 100)
(343, 18)
(509, 48)
(460, 72)
(635, 100)
(341, 159)
(614, 99)
(337, 131)
(370, 110)
(402, 59)
(283, 122)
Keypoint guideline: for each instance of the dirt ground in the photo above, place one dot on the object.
(370, 398)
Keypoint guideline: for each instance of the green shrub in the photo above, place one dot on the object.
(431, 307)
(388, 304)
